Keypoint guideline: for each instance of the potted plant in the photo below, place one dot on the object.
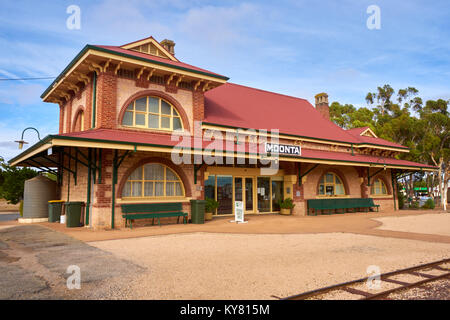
(210, 207)
(286, 206)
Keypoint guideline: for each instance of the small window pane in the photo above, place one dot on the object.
(126, 190)
(130, 107)
(175, 113)
(178, 190)
(159, 189)
(165, 108)
(141, 104)
(136, 189)
(137, 174)
(140, 119)
(165, 122)
(170, 189)
(176, 123)
(329, 190)
(170, 175)
(153, 121)
(148, 189)
(128, 119)
(329, 178)
(153, 105)
(154, 171)
(339, 189)
(321, 189)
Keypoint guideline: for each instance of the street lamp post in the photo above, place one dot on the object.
(21, 142)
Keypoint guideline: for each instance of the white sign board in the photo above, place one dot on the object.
(238, 211)
(291, 150)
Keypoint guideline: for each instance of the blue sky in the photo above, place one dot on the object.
(298, 48)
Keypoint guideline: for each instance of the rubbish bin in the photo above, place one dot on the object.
(198, 211)
(73, 214)
(54, 210)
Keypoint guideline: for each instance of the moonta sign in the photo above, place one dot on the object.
(283, 149)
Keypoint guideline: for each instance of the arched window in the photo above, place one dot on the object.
(331, 185)
(152, 113)
(79, 121)
(378, 187)
(153, 180)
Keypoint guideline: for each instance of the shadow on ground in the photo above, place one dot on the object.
(34, 262)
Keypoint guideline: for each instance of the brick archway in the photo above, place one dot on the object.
(163, 161)
(336, 172)
(76, 119)
(159, 94)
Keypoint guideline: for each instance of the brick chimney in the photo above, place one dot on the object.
(322, 105)
(169, 45)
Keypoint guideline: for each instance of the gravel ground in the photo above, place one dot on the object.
(237, 266)
(437, 290)
(435, 223)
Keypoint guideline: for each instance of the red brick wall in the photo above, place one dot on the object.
(106, 100)
(68, 113)
(324, 110)
(198, 102)
(61, 119)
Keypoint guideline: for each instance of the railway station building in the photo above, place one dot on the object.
(136, 125)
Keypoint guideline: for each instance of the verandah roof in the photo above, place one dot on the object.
(144, 141)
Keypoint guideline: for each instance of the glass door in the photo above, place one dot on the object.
(263, 194)
(249, 195)
(225, 194)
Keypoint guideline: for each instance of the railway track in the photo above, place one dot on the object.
(421, 272)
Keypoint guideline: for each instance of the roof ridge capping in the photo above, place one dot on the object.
(271, 92)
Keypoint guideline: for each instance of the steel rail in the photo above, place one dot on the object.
(383, 277)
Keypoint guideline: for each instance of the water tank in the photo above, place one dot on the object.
(37, 192)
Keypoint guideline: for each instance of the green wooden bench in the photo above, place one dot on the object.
(153, 211)
(330, 204)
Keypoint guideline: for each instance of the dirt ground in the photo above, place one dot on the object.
(270, 256)
(6, 207)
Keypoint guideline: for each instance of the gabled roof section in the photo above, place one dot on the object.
(149, 46)
(362, 131)
(366, 136)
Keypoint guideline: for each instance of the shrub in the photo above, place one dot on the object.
(414, 205)
(211, 205)
(429, 204)
(287, 203)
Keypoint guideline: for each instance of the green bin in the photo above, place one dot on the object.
(198, 211)
(54, 210)
(73, 214)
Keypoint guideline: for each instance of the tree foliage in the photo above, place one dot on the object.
(402, 117)
(12, 181)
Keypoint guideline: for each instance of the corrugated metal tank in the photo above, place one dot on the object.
(37, 192)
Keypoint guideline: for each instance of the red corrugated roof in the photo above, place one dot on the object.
(135, 137)
(240, 106)
(157, 59)
(244, 107)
